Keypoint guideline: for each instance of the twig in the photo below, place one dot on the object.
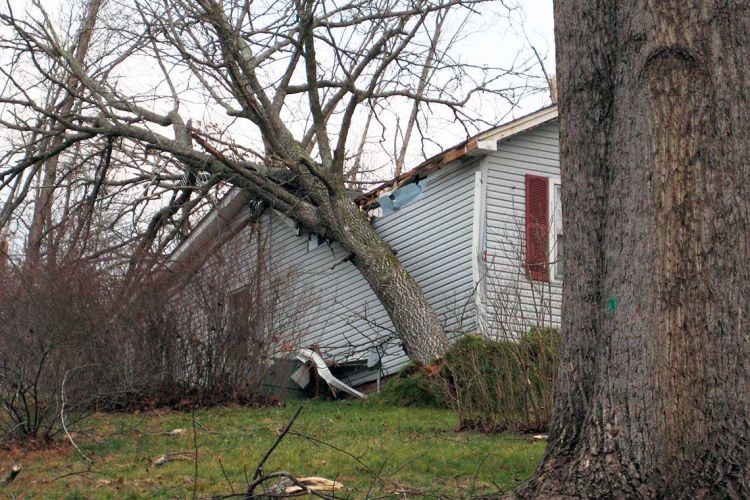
(259, 468)
(207, 430)
(375, 477)
(62, 419)
(170, 457)
(476, 473)
(195, 447)
(403, 465)
(318, 441)
(224, 472)
(82, 473)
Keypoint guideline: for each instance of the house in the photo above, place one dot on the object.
(478, 226)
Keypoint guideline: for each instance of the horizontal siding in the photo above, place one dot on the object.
(512, 304)
(332, 306)
(335, 309)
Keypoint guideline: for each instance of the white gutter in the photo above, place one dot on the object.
(517, 126)
(321, 367)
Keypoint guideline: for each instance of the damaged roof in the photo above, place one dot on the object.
(229, 214)
(478, 145)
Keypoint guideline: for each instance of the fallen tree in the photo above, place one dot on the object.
(289, 79)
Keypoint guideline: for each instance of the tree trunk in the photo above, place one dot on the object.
(653, 393)
(336, 216)
(417, 325)
(42, 216)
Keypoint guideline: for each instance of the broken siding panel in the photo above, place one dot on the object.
(433, 238)
(513, 303)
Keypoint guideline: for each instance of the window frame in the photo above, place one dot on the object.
(555, 228)
(236, 309)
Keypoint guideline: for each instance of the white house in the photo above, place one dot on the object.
(478, 226)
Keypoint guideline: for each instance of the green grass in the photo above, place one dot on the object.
(414, 451)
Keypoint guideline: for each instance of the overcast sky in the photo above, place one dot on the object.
(536, 20)
(490, 40)
(493, 38)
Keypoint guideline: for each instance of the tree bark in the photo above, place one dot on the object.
(653, 394)
(418, 326)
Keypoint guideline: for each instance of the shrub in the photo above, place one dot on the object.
(79, 334)
(493, 385)
(415, 386)
(53, 331)
(503, 385)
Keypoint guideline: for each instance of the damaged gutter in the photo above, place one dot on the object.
(228, 215)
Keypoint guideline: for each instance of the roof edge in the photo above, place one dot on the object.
(478, 145)
(225, 212)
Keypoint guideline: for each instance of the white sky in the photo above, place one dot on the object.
(488, 41)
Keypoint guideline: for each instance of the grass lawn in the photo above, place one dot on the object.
(413, 453)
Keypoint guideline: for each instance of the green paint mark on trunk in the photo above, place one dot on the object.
(612, 304)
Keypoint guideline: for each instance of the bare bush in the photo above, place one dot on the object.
(231, 324)
(131, 343)
(52, 324)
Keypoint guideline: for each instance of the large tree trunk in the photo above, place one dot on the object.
(655, 153)
(417, 325)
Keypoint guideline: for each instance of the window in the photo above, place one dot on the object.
(544, 231)
(238, 308)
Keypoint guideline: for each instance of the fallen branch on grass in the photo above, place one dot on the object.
(172, 433)
(314, 484)
(290, 486)
(259, 468)
(63, 420)
(171, 457)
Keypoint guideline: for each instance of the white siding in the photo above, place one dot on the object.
(512, 304)
(340, 313)
(440, 239)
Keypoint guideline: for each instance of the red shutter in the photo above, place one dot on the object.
(537, 228)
